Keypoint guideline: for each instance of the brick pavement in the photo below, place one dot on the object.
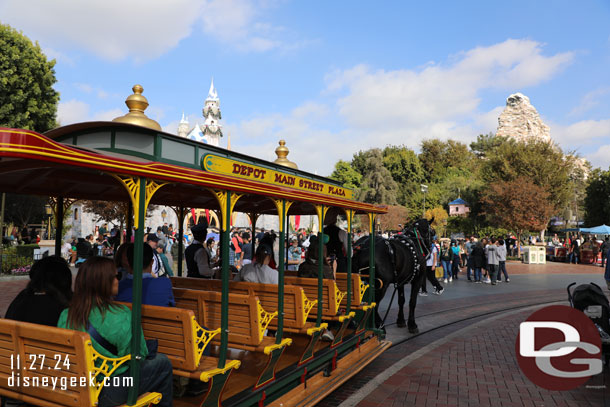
(477, 367)
(432, 378)
(9, 288)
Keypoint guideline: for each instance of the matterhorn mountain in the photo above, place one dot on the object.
(521, 121)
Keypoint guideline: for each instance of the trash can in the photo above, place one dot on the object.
(541, 250)
(530, 255)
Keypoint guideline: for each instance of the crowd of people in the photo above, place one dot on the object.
(484, 261)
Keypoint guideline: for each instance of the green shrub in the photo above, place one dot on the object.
(26, 250)
(11, 262)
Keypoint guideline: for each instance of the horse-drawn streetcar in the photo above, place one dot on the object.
(128, 161)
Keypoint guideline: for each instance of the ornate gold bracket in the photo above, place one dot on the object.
(221, 197)
(349, 214)
(281, 213)
(68, 202)
(132, 185)
(321, 211)
(372, 217)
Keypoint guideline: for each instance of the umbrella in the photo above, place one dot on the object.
(597, 230)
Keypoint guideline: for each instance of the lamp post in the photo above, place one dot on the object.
(49, 213)
(163, 215)
(424, 189)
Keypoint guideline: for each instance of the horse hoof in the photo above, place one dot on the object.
(414, 330)
(401, 324)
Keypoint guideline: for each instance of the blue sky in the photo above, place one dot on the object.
(333, 77)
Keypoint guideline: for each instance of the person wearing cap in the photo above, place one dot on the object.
(259, 271)
(158, 270)
(196, 255)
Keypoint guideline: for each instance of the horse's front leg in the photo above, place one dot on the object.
(400, 320)
(415, 286)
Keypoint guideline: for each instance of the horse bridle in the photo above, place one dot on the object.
(423, 248)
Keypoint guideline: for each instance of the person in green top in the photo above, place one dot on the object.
(92, 303)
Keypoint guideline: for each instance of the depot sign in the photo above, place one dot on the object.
(234, 168)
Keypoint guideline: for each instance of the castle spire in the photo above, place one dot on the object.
(183, 127)
(212, 94)
(212, 129)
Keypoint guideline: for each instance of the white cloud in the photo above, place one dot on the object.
(52, 53)
(600, 158)
(439, 100)
(111, 29)
(590, 100)
(488, 122)
(143, 29)
(238, 23)
(581, 133)
(75, 111)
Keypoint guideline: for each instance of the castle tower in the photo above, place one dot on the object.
(183, 127)
(211, 129)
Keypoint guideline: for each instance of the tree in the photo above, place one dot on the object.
(538, 162)
(403, 164)
(107, 211)
(111, 212)
(440, 216)
(518, 205)
(406, 170)
(346, 175)
(24, 209)
(437, 156)
(27, 97)
(597, 200)
(396, 215)
(485, 144)
(378, 185)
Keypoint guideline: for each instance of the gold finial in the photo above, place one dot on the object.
(281, 152)
(137, 103)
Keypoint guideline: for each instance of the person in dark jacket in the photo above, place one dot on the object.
(46, 295)
(84, 250)
(309, 268)
(196, 255)
(478, 260)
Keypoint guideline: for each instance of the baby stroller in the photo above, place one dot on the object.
(590, 299)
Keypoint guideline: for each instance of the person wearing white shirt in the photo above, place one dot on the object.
(259, 271)
(431, 261)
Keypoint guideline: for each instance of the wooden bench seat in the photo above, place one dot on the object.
(331, 295)
(69, 357)
(248, 320)
(296, 304)
(182, 340)
(358, 289)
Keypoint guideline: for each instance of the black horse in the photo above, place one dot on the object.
(398, 261)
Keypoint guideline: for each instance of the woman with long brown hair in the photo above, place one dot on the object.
(93, 310)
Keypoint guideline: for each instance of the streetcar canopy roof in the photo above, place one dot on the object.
(79, 161)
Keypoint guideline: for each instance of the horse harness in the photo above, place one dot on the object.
(409, 244)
